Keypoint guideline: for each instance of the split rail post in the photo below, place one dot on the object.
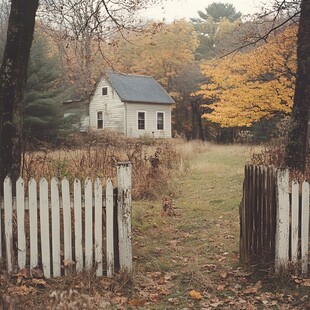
(124, 215)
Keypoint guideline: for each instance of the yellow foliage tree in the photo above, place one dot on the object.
(162, 53)
(246, 88)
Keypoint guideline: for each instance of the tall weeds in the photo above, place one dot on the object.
(153, 161)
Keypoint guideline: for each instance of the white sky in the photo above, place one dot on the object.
(170, 10)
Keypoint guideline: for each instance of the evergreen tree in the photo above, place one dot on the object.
(213, 26)
(44, 94)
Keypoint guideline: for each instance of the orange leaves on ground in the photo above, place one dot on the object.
(195, 295)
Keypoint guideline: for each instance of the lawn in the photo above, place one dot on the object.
(190, 259)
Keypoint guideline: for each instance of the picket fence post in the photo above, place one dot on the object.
(305, 228)
(33, 222)
(110, 228)
(282, 222)
(124, 215)
(8, 222)
(20, 212)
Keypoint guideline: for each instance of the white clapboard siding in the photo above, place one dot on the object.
(305, 227)
(98, 225)
(65, 242)
(282, 222)
(33, 223)
(20, 212)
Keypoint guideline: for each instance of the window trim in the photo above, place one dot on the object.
(163, 113)
(144, 112)
(98, 119)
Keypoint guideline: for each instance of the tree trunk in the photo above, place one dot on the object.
(296, 149)
(13, 78)
(197, 132)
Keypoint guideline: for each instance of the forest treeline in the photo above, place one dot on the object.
(220, 96)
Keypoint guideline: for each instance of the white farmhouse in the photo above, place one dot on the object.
(131, 104)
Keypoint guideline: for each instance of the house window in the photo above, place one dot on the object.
(104, 91)
(141, 120)
(160, 120)
(99, 120)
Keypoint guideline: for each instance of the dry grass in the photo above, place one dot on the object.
(153, 161)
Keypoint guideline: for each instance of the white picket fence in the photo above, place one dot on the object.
(292, 225)
(58, 232)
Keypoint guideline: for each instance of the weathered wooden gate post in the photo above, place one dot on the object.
(124, 215)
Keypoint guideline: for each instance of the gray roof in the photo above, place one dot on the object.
(136, 88)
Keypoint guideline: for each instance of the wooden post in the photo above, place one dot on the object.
(282, 222)
(124, 215)
(8, 226)
(305, 228)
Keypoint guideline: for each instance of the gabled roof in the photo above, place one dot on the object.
(137, 88)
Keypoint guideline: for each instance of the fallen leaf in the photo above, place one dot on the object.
(173, 301)
(38, 282)
(220, 287)
(250, 290)
(195, 294)
(136, 302)
(305, 282)
(223, 274)
(68, 262)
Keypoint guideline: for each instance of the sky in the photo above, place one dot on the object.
(170, 10)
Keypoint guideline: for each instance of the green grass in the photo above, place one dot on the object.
(205, 228)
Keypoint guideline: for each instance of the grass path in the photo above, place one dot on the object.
(190, 260)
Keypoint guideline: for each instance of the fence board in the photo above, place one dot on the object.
(88, 224)
(98, 227)
(20, 213)
(124, 215)
(67, 226)
(305, 228)
(33, 223)
(8, 222)
(78, 225)
(294, 222)
(283, 220)
(110, 228)
(55, 227)
(44, 225)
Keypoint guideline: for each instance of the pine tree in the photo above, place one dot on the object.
(44, 94)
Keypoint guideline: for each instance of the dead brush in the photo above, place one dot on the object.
(152, 163)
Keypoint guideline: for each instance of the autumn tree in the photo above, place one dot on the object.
(248, 87)
(160, 52)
